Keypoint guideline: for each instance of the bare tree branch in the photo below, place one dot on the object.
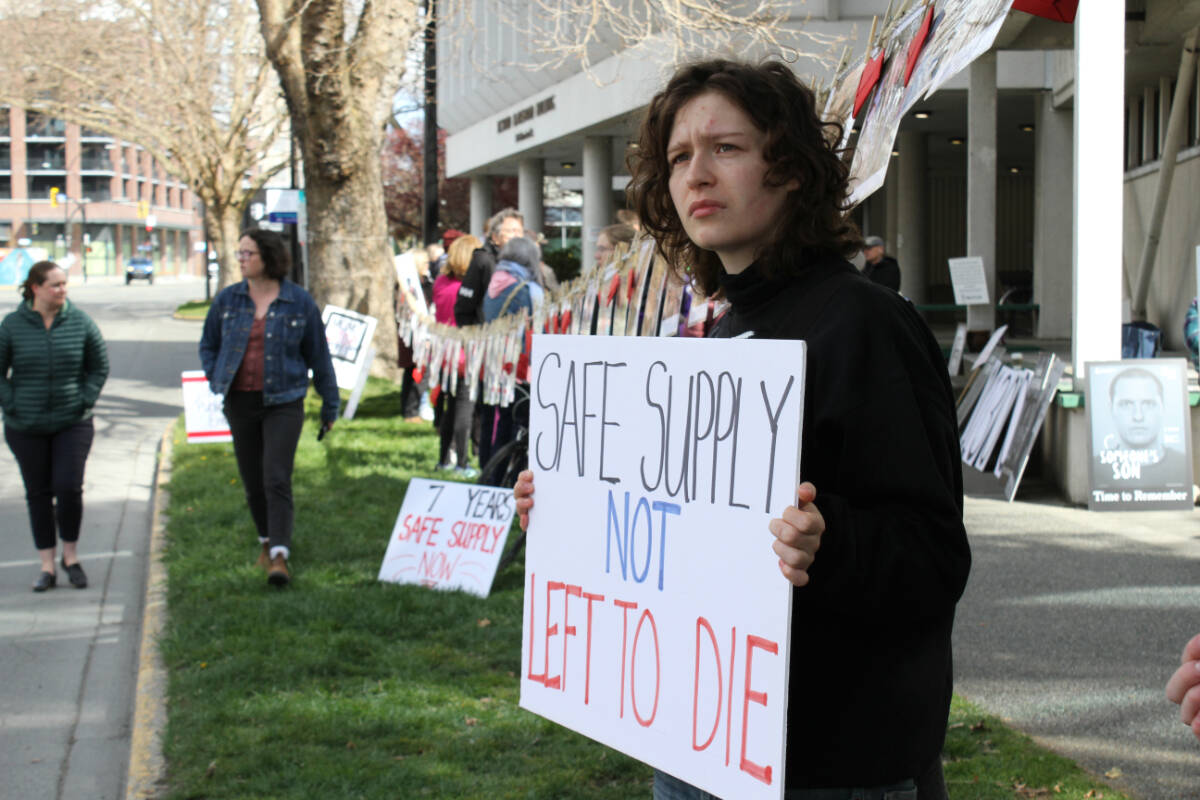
(187, 80)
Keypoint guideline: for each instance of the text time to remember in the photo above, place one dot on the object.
(656, 619)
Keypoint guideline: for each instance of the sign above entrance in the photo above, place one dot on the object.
(525, 115)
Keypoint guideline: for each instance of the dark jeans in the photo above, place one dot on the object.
(495, 430)
(410, 395)
(52, 468)
(456, 426)
(264, 441)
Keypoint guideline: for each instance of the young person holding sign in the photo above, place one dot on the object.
(739, 181)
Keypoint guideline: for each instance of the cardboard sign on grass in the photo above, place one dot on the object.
(448, 536)
(349, 335)
(203, 411)
(656, 618)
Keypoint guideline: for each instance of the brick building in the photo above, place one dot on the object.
(80, 194)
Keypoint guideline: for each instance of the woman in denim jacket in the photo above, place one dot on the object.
(261, 337)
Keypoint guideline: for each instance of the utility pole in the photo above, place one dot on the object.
(429, 217)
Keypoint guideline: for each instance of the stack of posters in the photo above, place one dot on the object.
(1000, 414)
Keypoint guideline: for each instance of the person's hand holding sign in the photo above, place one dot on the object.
(523, 494)
(798, 535)
(797, 532)
(1184, 686)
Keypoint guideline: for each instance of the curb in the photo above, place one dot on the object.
(147, 766)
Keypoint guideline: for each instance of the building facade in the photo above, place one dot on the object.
(987, 166)
(91, 201)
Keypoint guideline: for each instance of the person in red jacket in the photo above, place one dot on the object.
(459, 410)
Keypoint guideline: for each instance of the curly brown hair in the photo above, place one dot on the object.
(799, 146)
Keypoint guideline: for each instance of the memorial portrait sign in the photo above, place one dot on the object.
(1141, 455)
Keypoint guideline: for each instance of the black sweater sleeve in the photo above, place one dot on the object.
(881, 446)
(468, 306)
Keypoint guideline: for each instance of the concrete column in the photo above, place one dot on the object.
(481, 204)
(908, 240)
(597, 192)
(530, 173)
(981, 182)
(1097, 230)
(1052, 215)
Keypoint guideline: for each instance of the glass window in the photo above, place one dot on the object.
(96, 187)
(44, 156)
(38, 125)
(96, 157)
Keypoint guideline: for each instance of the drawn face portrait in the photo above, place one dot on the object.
(1137, 410)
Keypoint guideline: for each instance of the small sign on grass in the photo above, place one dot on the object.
(203, 417)
(448, 536)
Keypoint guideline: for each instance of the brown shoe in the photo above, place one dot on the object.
(278, 575)
(264, 558)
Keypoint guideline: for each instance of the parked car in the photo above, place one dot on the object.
(139, 268)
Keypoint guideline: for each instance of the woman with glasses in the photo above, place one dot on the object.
(261, 337)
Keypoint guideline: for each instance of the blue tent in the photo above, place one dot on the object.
(15, 266)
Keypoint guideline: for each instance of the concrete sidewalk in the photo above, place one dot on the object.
(1072, 622)
(69, 658)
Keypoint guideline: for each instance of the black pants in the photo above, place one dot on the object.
(495, 430)
(264, 441)
(456, 426)
(410, 395)
(52, 468)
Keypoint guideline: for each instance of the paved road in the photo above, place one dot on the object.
(1070, 626)
(68, 658)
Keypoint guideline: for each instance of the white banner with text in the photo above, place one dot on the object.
(656, 618)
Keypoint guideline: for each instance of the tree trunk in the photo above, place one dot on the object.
(224, 224)
(347, 237)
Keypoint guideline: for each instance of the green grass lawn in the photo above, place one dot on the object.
(344, 687)
(193, 309)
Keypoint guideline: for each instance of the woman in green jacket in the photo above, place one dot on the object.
(53, 363)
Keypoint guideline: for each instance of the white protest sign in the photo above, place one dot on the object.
(656, 618)
(448, 536)
(969, 281)
(349, 335)
(203, 417)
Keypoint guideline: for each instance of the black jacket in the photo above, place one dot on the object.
(468, 306)
(870, 679)
(885, 272)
